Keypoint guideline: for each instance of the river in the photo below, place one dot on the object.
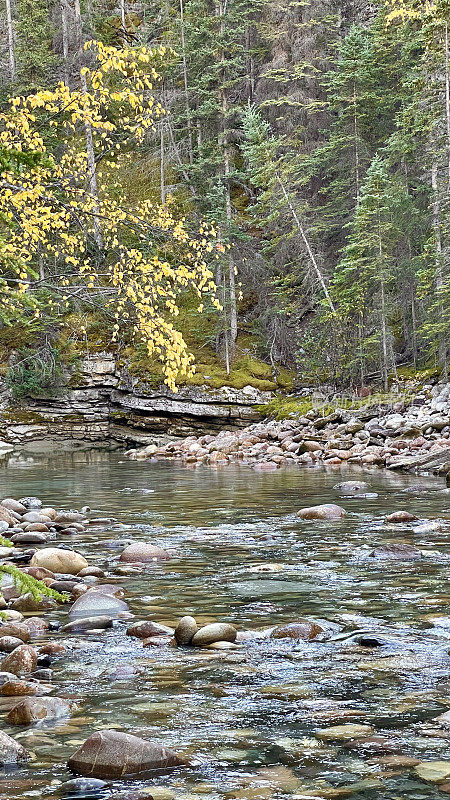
(251, 717)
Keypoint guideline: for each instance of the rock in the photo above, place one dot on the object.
(22, 660)
(13, 505)
(443, 719)
(16, 629)
(16, 688)
(34, 709)
(31, 502)
(325, 511)
(399, 552)
(401, 516)
(215, 632)
(57, 559)
(52, 648)
(112, 754)
(30, 537)
(87, 624)
(36, 625)
(9, 643)
(6, 516)
(351, 487)
(67, 517)
(11, 752)
(144, 552)
(94, 603)
(28, 604)
(344, 732)
(433, 771)
(93, 571)
(157, 641)
(83, 788)
(185, 630)
(36, 516)
(143, 630)
(302, 630)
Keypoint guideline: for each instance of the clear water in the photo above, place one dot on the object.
(248, 717)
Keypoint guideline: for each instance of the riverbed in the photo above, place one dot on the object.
(252, 718)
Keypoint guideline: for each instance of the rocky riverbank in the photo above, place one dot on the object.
(414, 436)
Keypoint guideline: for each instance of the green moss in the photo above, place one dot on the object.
(282, 407)
(19, 416)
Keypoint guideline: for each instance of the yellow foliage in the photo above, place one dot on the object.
(131, 262)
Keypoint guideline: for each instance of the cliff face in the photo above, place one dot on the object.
(107, 403)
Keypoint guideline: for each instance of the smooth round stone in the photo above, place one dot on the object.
(147, 629)
(222, 646)
(88, 624)
(16, 629)
(29, 537)
(58, 560)
(144, 552)
(303, 630)
(91, 571)
(93, 603)
(185, 630)
(215, 632)
(324, 511)
(36, 516)
(80, 788)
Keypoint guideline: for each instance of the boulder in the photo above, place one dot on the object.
(93, 603)
(143, 630)
(399, 552)
(185, 630)
(401, 516)
(11, 752)
(112, 754)
(324, 511)
(22, 660)
(215, 632)
(303, 630)
(28, 604)
(6, 517)
(16, 629)
(144, 552)
(56, 559)
(16, 688)
(34, 709)
(9, 643)
(13, 505)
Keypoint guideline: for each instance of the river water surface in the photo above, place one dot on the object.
(250, 718)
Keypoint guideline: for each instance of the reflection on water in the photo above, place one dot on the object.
(250, 716)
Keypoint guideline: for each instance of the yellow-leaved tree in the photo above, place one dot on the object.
(66, 231)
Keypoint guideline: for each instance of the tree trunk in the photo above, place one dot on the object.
(185, 82)
(311, 255)
(92, 173)
(65, 41)
(447, 103)
(10, 31)
(439, 277)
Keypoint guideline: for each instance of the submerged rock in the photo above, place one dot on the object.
(112, 754)
(303, 630)
(324, 511)
(351, 487)
(399, 552)
(87, 624)
(81, 788)
(344, 732)
(433, 771)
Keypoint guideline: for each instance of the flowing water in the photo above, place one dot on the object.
(249, 717)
